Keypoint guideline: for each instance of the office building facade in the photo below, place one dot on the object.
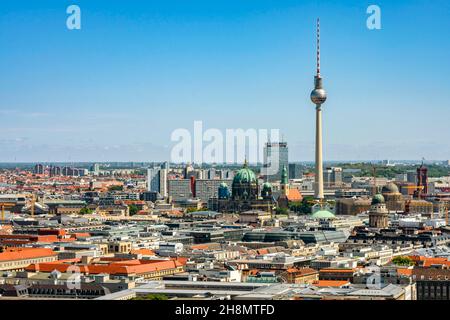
(332, 177)
(276, 157)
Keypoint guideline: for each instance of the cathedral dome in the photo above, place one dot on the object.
(323, 214)
(378, 199)
(390, 188)
(245, 184)
(244, 175)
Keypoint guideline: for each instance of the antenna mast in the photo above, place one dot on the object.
(318, 48)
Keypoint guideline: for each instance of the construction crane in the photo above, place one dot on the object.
(4, 205)
(374, 173)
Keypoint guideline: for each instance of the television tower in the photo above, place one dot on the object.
(318, 97)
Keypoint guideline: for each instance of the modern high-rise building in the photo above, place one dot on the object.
(295, 171)
(163, 187)
(153, 181)
(276, 157)
(208, 188)
(401, 177)
(179, 189)
(157, 179)
(165, 165)
(55, 171)
(95, 168)
(73, 172)
(411, 176)
(332, 177)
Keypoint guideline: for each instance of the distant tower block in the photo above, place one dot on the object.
(318, 97)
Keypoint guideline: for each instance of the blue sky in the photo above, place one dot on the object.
(137, 70)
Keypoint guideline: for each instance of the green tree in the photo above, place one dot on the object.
(189, 210)
(305, 206)
(86, 210)
(151, 297)
(281, 211)
(133, 209)
(295, 206)
(403, 261)
(115, 188)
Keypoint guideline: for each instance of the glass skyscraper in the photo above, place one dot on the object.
(275, 159)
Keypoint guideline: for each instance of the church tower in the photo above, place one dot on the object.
(378, 214)
(284, 183)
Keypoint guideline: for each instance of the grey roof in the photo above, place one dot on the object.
(388, 291)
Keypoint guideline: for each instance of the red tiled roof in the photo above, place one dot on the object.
(146, 252)
(302, 271)
(294, 195)
(13, 254)
(200, 247)
(333, 270)
(23, 238)
(428, 261)
(404, 271)
(121, 267)
(330, 283)
(253, 272)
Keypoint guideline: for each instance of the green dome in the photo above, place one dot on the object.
(267, 186)
(244, 175)
(322, 214)
(378, 199)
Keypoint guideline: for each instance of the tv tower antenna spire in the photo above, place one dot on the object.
(318, 47)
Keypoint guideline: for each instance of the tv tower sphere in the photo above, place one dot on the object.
(318, 95)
